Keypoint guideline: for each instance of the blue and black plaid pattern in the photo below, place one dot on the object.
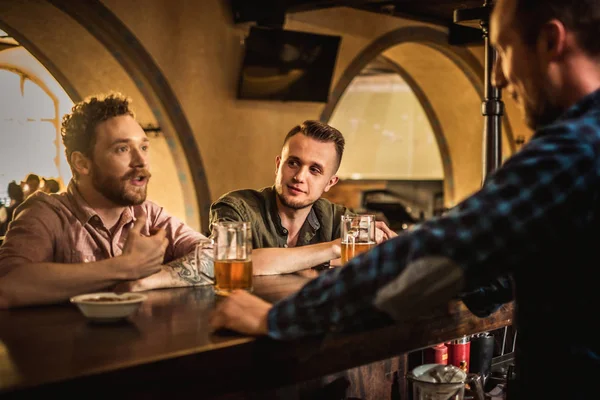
(541, 205)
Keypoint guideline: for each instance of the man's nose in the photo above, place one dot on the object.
(498, 78)
(139, 158)
(300, 175)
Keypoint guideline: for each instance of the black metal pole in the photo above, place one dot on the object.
(492, 109)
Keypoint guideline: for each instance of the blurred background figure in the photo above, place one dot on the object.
(15, 192)
(32, 183)
(51, 186)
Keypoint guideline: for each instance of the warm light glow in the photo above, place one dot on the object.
(31, 107)
(388, 135)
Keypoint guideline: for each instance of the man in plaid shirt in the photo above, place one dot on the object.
(541, 208)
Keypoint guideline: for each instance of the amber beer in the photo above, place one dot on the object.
(232, 274)
(350, 250)
(358, 235)
(232, 256)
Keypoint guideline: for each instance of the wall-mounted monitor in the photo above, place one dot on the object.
(287, 65)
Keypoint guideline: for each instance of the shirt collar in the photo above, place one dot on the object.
(84, 212)
(312, 215)
(587, 103)
(313, 220)
(275, 212)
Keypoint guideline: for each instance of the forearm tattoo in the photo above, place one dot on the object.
(186, 271)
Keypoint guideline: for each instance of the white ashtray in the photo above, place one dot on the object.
(108, 306)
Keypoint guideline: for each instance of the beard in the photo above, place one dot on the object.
(117, 189)
(290, 203)
(545, 114)
(542, 111)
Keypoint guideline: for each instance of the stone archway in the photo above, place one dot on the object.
(142, 71)
(462, 58)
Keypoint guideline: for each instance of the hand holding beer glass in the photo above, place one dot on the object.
(232, 257)
(358, 235)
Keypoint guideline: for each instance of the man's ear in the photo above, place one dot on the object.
(277, 164)
(553, 39)
(332, 181)
(80, 163)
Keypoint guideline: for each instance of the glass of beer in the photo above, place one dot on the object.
(358, 235)
(232, 256)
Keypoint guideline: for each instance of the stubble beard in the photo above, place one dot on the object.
(545, 115)
(292, 204)
(542, 112)
(117, 191)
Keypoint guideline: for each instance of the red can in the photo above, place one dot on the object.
(459, 352)
(437, 354)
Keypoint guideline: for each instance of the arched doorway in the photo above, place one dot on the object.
(448, 82)
(31, 108)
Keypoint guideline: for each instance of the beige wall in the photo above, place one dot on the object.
(198, 49)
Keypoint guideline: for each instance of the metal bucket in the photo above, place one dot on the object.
(443, 382)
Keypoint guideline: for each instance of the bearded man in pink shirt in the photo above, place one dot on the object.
(102, 231)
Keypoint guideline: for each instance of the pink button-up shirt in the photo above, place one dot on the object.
(63, 228)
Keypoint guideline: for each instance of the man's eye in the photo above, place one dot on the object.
(145, 147)
(315, 170)
(292, 163)
(121, 149)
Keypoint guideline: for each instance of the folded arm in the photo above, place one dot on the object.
(274, 261)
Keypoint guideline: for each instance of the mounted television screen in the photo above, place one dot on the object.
(287, 65)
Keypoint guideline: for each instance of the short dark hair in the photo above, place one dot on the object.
(321, 132)
(52, 185)
(15, 191)
(32, 177)
(79, 127)
(579, 16)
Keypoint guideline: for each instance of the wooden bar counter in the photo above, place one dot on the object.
(167, 349)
